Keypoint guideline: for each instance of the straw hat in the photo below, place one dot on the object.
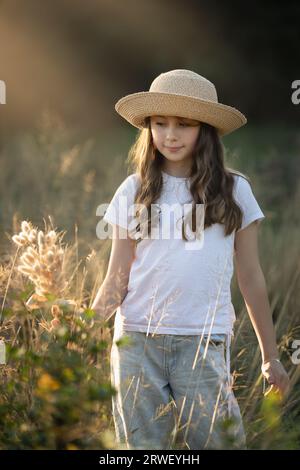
(180, 93)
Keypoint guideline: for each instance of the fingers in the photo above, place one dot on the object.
(270, 389)
(274, 389)
(280, 389)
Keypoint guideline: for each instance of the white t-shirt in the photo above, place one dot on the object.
(172, 289)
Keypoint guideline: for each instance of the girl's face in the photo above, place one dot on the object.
(175, 137)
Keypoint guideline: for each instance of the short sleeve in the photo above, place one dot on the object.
(118, 210)
(248, 203)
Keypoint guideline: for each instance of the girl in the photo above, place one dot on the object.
(172, 291)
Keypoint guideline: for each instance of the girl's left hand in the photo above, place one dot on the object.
(276, 376)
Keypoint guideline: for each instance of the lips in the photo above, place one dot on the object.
(173, 148)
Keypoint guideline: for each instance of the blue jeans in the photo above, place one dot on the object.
(172, 391)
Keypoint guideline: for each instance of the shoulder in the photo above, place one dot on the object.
(242, 184)
(134, 179)
(129, 184)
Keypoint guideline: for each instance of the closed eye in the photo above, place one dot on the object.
(162, 124)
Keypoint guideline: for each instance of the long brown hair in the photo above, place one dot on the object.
(211, 183)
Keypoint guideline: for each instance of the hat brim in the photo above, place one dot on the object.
(137, 106)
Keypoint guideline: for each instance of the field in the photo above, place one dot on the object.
(55, 390)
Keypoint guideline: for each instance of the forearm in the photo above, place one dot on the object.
(109, 297)
(254, 292)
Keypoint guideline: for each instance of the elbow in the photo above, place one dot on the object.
(250, 276)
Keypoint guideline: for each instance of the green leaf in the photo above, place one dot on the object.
(89, 313)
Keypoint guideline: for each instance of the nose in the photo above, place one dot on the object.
(170, 132)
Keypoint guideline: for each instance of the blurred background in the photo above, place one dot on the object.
(63, 148)
(65, 64)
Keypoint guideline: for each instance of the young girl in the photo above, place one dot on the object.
(171, 290)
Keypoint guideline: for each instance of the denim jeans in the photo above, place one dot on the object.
(172, 391)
